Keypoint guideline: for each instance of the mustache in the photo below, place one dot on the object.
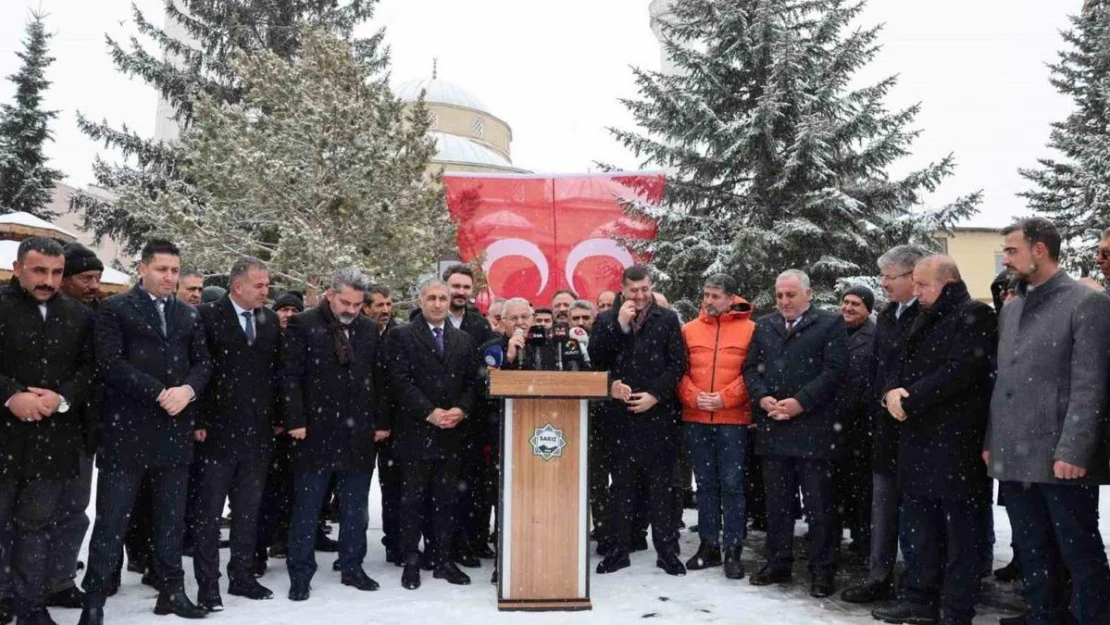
(45, 288)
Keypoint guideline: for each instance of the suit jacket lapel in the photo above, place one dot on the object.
(233, 324)
(424, 334)
(142, 302)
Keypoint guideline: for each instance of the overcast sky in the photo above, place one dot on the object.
(554, 72)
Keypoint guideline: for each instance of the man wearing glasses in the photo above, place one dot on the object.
(896, 267)
(1102, 259)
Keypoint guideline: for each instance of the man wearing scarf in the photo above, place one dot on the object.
(641, 346)
(332, 393)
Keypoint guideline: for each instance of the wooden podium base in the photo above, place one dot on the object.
(541, 605)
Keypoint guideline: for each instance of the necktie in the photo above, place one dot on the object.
(249, 316)
(790, 324)
(438, 332)
(160, 304)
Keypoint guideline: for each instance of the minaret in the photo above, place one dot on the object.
(165, 128)
(660, 11)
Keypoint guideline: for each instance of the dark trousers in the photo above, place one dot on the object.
(243, 482)
(68, 527)
(630, 470)
(598, 475)
(428, 487)
(389, 479)
(353, 489)
(943, 545)
(276, 507)
(116, 492)
(754, 495)
(469, 504)
(717, 457)
(29, 505)
(781, 477)
(852, 488)
(884, 527)
(138, 542)
(1057, 524)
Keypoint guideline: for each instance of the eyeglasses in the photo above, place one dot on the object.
(893, 278)
(1103, 254)
(517, 318)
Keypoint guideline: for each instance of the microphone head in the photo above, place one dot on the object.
(518, 332)
(537, 335)
(560, 330)
(579, 334)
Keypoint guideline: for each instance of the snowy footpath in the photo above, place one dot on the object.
(641, 594)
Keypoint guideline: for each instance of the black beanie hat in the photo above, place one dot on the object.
(80, 259)
(289, 299)
(864, 294)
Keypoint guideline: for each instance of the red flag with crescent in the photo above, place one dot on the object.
(536, 234)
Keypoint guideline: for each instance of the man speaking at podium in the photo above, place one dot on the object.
(641, 346)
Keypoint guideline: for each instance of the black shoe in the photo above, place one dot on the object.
(394, 557)
(299, 591)
(1013, 620)
(769, 575)
(452, 574)
(410, 577)
(467, 559)
(80, 565)
(493, 578)
(822, 586)
(92, 616)
(208, 597)
(639, 543)
(149, 579)
(603, 548)
(709, 554)
(906, 613)
(613, 562)
(5, 611)
(136, 563)
(326, 543)
(669, 562)
(36, 617)
(71, 598)
(249, 588)
(1009, 573)
(693, 529)
(734, 568)
(482, 550)
(177, 602)
(335, 565)
(280, 551)
(427, 561)
(359, 579)
(869, 592)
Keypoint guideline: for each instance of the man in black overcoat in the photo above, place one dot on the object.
(793, 371)
(433, 372)
(46, 374)
(235, 429)
(332, 393)
(153, 364)
(640, 344)
(939, 390)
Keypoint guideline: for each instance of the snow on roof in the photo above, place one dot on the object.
(8, 250)
(455, 149)
(30, 221)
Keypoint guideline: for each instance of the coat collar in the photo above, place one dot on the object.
(862, 336)
(144, 303)
(424, 334)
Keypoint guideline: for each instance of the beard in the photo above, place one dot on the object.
(347, 318)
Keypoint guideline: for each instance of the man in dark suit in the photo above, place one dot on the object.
(893, 323)
(46, 373)
(235, 429)
(432, 376)
(153, 362)
(332, 394)
(793, 371)
(471, 539)
(939, 390)
(640, 344)
(379, 308)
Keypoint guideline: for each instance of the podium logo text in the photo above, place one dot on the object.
(548, 442)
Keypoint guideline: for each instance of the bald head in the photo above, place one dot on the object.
(931, 275)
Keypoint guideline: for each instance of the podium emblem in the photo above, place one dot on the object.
(548, 442)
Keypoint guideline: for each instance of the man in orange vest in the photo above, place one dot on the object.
(716, 413)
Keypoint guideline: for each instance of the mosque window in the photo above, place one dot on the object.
(433, 120)
(479, 128)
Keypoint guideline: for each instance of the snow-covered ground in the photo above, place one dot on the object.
(629, 596)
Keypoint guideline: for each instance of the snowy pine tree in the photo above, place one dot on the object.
(1074, 191)
(317, 166)
(775, 160)
(26, 180)
(181, 69)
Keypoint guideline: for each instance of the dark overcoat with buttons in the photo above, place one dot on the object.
(946, 366)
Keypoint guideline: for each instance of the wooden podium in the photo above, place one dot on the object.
(543, 554)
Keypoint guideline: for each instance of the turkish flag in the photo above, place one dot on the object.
(534, 235)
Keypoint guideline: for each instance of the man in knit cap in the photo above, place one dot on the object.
(81, 278)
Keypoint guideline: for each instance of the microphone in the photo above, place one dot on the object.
(519, 352)
(494, 357)
(536, 341)
(579, 334)
(570, 355)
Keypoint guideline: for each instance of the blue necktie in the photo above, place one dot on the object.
(160, 304)
(438, 332)
(249, 316)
